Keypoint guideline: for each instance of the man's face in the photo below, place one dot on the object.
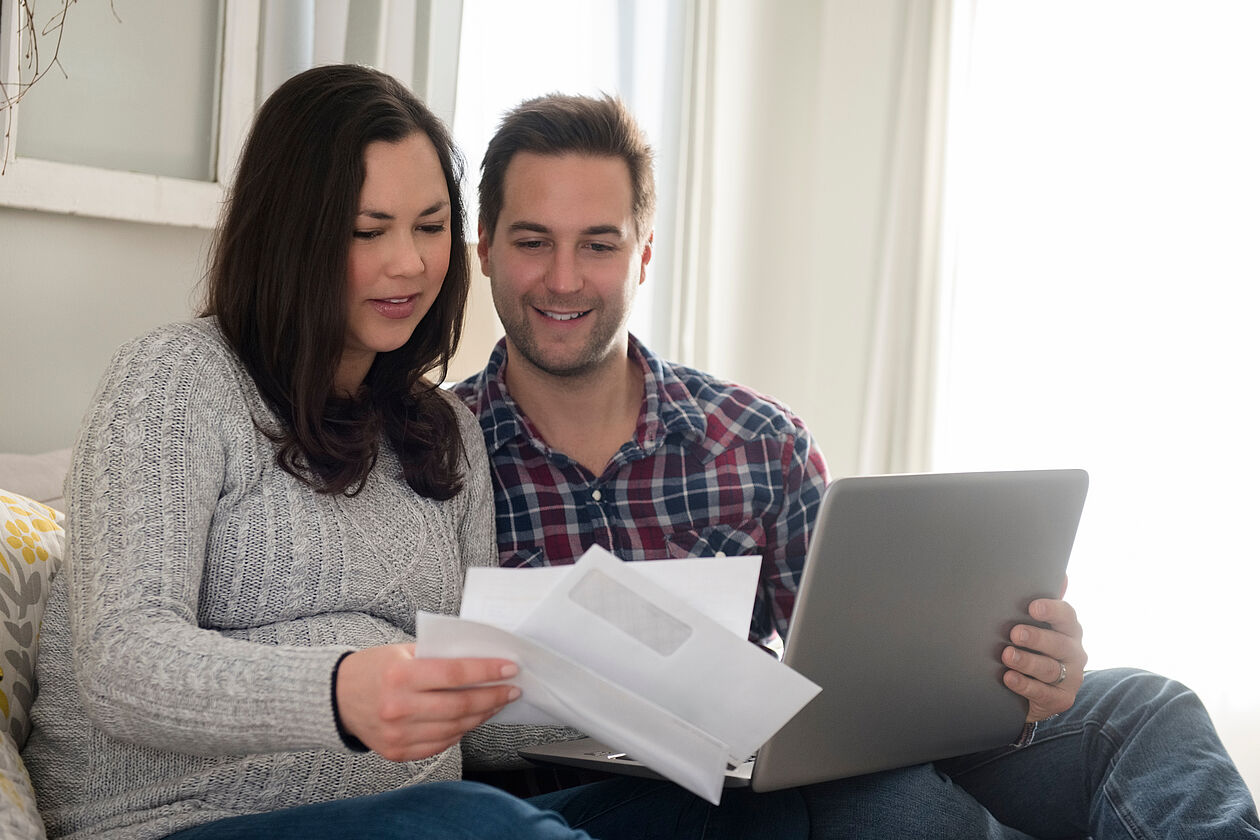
(565, 261)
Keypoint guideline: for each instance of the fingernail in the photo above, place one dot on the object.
(508, 671)
(514, 693)
(1021, 635)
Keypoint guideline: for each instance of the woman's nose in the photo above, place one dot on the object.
(408, 258)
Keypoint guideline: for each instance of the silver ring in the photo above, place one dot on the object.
(1062, 672)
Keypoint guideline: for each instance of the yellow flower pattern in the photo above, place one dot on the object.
(22, 532)
(31, 539)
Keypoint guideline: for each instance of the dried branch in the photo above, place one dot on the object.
(30, 60)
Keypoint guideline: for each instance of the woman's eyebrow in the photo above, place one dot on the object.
(386, 217)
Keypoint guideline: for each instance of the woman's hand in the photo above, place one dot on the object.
(1047, 665)
(404, 708)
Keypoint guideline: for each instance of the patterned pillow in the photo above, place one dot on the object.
(19, 817)
(31, 539)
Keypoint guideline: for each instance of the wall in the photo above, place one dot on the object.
(71, 290)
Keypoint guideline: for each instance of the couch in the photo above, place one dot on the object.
(31, 542)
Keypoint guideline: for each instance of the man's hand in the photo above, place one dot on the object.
(406, 709)
(1038, 657)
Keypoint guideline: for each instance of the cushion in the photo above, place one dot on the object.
(31, 539)
(18, 815)
(37, 477)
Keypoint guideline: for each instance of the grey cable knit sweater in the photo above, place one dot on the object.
(187, 649)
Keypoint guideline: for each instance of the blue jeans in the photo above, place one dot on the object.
(875, 805)
(912, 803)
(437, 811)
(1135, 759)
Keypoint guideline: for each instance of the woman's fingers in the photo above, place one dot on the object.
(406, 708)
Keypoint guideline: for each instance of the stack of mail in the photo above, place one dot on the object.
(651, 658)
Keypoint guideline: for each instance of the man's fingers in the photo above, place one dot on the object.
(1043, 700)
(1049, 643)
(1040, 667)
(1060, 615)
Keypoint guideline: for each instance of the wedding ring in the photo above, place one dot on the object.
(1062, 673)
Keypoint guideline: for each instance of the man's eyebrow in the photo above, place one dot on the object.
(593, 230)
(528, 227)
(386, 217)
(603, 230)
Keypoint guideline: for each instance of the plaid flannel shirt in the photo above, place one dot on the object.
(714, 469)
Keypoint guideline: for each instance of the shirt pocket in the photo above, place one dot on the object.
(718, 540)
(526, 557)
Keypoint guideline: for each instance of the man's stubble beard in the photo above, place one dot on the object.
(590, 357)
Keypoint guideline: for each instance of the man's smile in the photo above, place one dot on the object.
(561, 316)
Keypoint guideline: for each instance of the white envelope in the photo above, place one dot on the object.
(607, 615)
(723, 588)
(608, 651)
(572, 693)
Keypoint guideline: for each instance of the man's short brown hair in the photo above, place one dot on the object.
(557, 124)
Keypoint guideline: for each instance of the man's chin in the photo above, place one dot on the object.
(559, 366)
(568, 370)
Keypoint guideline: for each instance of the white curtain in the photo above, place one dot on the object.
(392, 35)
(818, 267)
(897, 401)
(808, 229)
(1102, 302)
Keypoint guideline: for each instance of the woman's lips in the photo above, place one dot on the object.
(396, 308)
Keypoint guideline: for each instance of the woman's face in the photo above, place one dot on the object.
(399, 254)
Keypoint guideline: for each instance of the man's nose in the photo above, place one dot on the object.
(564, 275)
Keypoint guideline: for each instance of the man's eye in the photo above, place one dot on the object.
(603, 247)
(530, 244)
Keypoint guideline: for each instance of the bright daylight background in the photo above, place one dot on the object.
(1098, 241)
(585, 47)
(1100, 280)
(1103, 205)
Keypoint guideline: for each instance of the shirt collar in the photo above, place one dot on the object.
(669, 407)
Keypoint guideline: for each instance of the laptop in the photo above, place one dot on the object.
(911, 586)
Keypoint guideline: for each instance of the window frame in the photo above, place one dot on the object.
(75, 189)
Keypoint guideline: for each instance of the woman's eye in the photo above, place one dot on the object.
(434, 227)
(366, 234)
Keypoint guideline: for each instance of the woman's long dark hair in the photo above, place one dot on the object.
(278, 275)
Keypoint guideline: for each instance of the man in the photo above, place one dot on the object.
(593, 439)
(712, 469)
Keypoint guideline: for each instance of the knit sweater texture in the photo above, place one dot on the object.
(187, 650)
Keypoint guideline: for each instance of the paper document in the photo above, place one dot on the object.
(608, 650)
(723, 588)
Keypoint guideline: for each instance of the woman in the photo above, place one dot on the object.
(259, 502)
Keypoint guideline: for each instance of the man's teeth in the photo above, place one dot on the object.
(563, 316)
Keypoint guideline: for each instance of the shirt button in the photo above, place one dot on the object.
(596, 495)
(719, 554)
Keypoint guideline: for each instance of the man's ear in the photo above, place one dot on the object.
(646, 258)
(483, 249)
